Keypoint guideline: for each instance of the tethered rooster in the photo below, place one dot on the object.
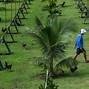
(8, 66)
(4, 29)
(23, 44)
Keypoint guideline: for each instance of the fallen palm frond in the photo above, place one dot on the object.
(67, 62)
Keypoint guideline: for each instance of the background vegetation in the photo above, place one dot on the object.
(24, 71)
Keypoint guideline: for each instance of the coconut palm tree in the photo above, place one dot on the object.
(51, 7)
(51, 38)
(51, 2)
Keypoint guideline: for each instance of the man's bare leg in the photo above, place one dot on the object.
(75, 56)
(85, 57)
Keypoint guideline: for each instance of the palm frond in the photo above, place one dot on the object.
(45, 8)
(67, 62)
(39, 23)
(54, 23)
(40, 40)
(67, 25)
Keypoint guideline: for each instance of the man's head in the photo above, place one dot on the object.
(83, 31)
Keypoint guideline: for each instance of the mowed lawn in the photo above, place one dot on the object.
(24, 71)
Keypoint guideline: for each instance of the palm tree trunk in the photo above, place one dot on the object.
(51, 71)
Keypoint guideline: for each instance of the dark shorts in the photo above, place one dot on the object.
(80, 51)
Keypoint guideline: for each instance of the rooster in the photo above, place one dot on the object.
(4, 29)
(8, 66)
(23, 44)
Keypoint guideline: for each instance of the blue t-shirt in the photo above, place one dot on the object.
(79, 41)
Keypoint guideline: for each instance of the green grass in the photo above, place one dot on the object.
(24, 71)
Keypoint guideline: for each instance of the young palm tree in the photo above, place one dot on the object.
(52, 7)
(50, 37)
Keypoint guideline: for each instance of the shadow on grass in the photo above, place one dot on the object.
(66, 6)
(76, 74)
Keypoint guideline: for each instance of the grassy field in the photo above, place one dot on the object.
(24, 72)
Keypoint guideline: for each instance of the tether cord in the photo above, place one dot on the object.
(19, 3)
(5, 20)
(15, 10)
(15, 7)
(11, 15)
(5, 16)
